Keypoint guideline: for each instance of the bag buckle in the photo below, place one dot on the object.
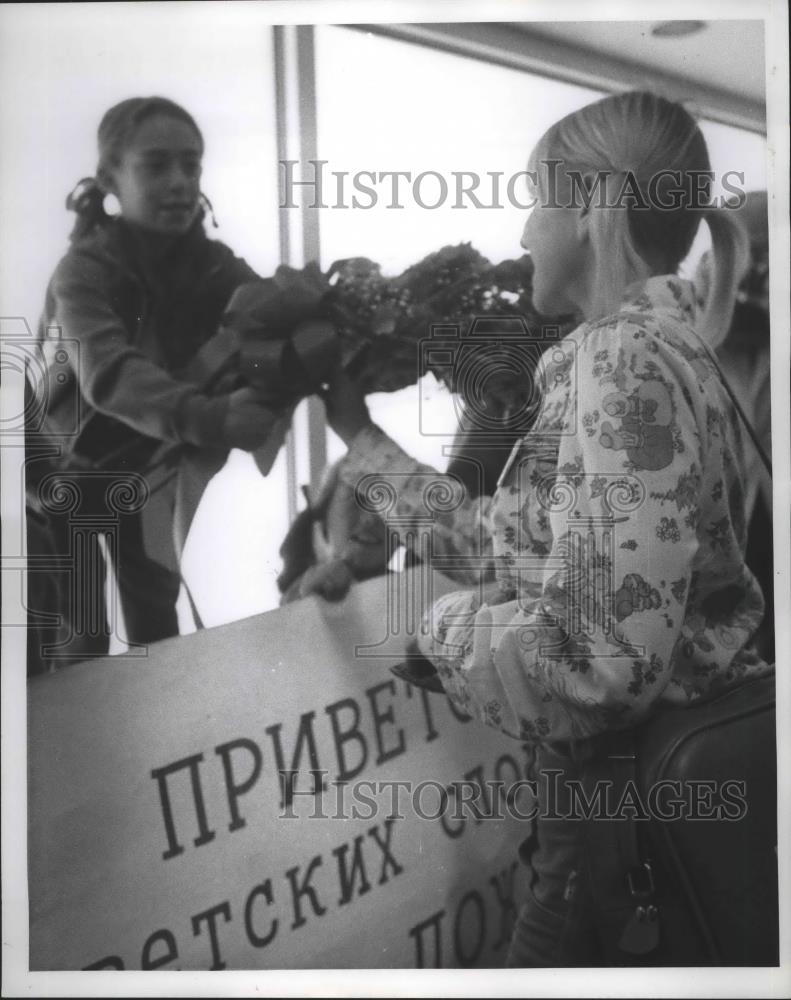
(640, 880)
(640, 936)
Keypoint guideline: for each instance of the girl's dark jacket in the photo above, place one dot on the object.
(123, 318)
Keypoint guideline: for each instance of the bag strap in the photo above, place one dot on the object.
(620, 875)
(726, 385)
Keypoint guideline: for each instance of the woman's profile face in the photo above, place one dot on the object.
(552, 238)
(157, 181)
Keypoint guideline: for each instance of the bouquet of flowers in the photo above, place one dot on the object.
(454, 314)
(290, 331)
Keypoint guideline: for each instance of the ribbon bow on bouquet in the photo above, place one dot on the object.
(274, 338)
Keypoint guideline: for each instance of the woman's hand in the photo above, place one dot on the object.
(330, 580)
(344, 401)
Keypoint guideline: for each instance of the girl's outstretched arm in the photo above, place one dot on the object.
(118, 379)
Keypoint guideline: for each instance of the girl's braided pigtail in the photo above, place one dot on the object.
(86, 199)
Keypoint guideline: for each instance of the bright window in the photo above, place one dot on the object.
(387, 105)
(383, 106)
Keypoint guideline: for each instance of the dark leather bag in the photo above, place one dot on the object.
(690, 890)
(700, 888)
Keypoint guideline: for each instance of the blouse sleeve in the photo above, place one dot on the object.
(593, 651)
(418, 502)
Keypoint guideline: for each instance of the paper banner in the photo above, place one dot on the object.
(162, 834)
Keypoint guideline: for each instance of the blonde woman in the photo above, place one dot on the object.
(618, 527)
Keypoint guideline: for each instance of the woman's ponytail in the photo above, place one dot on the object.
(86, 200)
(617, 261)
(729, 260)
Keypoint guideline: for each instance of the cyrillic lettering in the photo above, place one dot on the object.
(341, 737)
(306, 889)
(503, 885)
(210, 917)
(431, 732)
(171, 954)
(255, 939)
(234, 791)
(387, 858)
(380, 718)
(161, 775)
(468, 958)
(305, 735)
(453, 832)
(347, 878)
(416, 932)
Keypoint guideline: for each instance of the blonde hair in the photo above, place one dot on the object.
(644, 148)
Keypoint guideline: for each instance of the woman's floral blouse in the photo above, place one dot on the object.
(617, 536)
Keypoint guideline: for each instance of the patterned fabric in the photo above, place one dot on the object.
(617, 536)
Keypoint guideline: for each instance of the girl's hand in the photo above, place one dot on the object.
(247, 422)
(347, 412)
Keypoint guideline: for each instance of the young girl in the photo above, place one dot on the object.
(129, 305)
(618, 527)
